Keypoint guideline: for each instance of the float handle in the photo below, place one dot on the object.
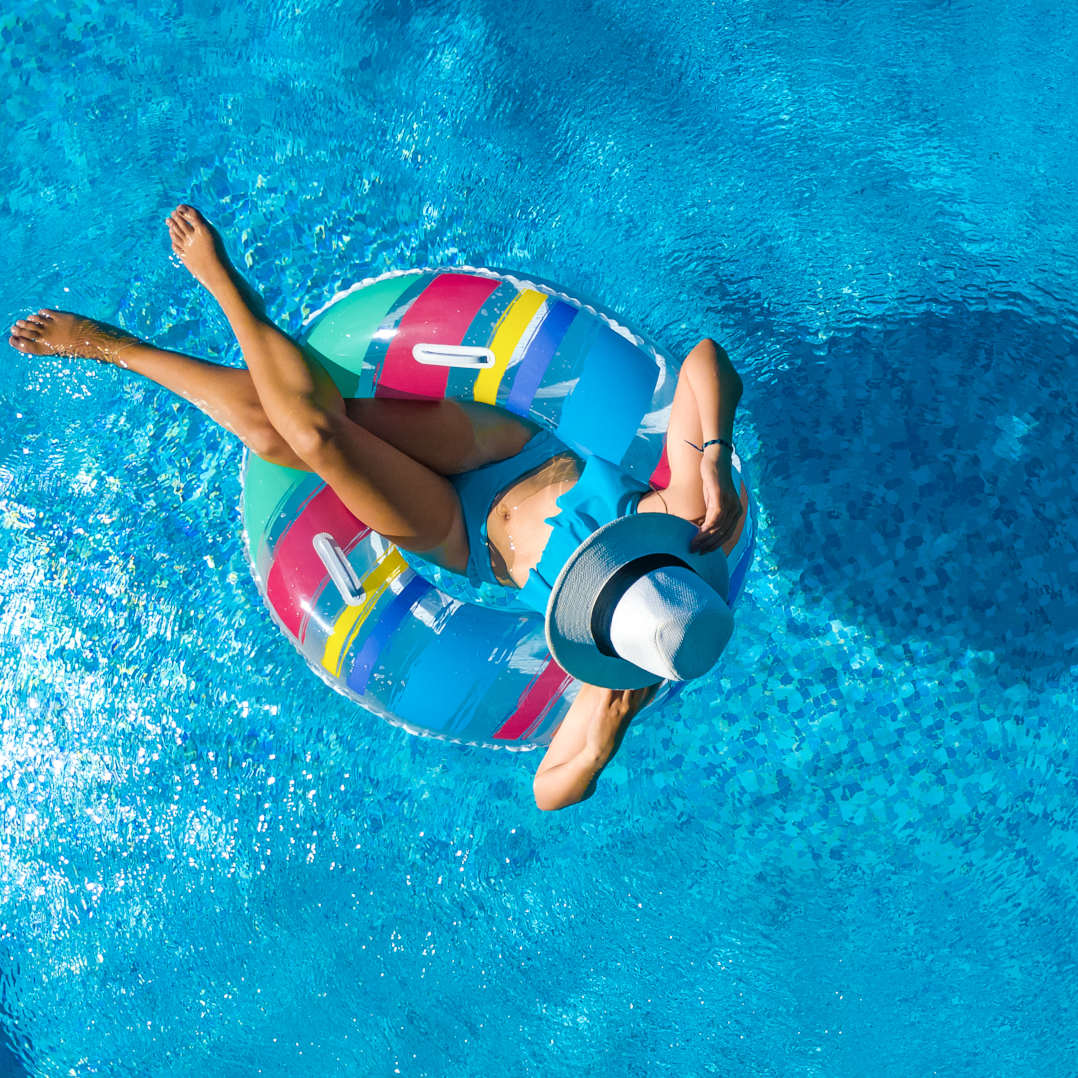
(339, 568)
(453, 355)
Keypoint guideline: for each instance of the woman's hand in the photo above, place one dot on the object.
(613, 709)
(582, 746)
(722, 504)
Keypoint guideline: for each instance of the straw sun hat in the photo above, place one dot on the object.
(632, 605)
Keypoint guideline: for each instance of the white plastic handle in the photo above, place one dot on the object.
(453, 355)
(339, 568)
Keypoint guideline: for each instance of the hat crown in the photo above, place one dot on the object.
(671, 623)
(634, 605)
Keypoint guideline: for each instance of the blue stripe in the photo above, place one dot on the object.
(387, 625)
(737, 577)
(540, 352)
(458, 667)
(611, 396)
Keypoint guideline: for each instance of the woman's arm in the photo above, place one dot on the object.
(584, 743)
(716, 388)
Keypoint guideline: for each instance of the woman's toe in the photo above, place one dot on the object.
(180, 224)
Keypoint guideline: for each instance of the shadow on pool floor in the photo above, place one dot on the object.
(919, 474)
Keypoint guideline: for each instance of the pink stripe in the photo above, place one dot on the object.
(535, 702)
(660, 478)
(297, 572)
(440, 314)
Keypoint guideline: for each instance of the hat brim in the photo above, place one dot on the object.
(592, 564)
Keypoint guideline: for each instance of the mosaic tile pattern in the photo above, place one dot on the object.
(857, 842)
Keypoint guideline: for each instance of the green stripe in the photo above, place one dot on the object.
(265, 486)
(341, 336)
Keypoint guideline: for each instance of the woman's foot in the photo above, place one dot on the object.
(198, 245)
(60, 333)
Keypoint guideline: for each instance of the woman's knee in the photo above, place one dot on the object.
(313, 441)
(262, 438)
(451, 548)
(308, 433)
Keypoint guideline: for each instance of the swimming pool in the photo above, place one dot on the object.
(854, 851)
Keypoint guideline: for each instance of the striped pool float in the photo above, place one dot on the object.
(398, 636)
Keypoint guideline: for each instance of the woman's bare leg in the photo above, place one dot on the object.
(405, 500)
(229, 397)
(226, 395)
(447, 436)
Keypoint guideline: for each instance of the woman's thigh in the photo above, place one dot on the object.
(387, 460)
(447, 436)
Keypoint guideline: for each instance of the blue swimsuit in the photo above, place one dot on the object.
(601, 494)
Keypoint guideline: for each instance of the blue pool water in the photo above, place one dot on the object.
(853, 850)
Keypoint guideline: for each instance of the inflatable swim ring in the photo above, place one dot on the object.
(418, 645)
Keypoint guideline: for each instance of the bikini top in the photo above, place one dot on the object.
(602, 494)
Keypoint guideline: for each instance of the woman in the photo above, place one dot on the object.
(482, 492)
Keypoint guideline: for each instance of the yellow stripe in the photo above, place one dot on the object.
(507, 336)
(388, 568)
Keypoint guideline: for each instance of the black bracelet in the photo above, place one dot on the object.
(711, 441)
